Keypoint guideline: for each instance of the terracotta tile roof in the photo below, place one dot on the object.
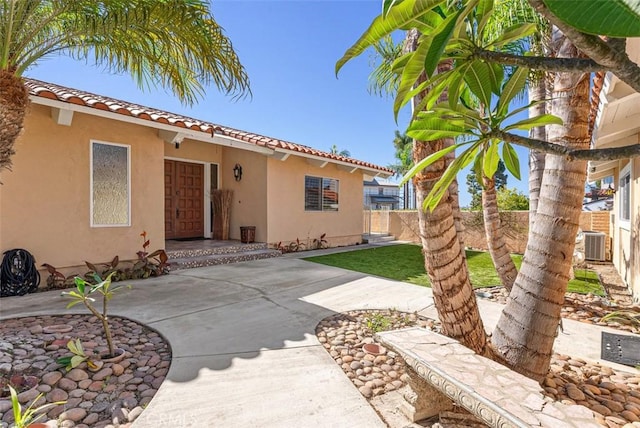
(52, 91)
(596, 88)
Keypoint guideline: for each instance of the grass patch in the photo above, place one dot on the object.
(585, 281)
(404, 262)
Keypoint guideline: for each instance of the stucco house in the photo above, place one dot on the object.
(617, 123)
(91, 173)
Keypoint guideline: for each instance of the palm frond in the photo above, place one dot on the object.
(383, 81)
(175, 44)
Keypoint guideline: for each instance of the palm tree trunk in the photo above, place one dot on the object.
(537, 91)
(445, 263)
(495, 239)
(14, 100)
(524, 336)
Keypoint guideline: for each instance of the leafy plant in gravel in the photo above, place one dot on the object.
(78, 356)
(23, 418)
(623, 317)
(83, 294)
(378, 322)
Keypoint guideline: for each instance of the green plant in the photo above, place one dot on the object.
(22, 418)
(79, 356)
(82, 294)
(378, 322)
(623, 317)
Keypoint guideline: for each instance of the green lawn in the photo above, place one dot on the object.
(404, 262)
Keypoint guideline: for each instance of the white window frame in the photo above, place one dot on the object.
(107, 143)
(626, 171)
(322, 178)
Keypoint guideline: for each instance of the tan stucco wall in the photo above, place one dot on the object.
(194, 150)
(249, 194)
(46, 196)
(287, 217)
(626, 248)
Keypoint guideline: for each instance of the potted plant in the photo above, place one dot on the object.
(28, 417)
(83, 294)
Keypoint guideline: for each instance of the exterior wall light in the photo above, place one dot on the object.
(237, 172)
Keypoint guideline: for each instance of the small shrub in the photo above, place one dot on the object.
(83, 294)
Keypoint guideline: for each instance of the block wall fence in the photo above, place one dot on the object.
(403, 224)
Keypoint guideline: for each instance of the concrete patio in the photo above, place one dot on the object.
(244, 346)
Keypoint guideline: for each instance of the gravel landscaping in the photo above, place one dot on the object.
(113, 395)
(613, 395)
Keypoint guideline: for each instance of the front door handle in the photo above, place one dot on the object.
(177, 212)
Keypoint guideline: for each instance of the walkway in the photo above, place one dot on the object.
(244, 345)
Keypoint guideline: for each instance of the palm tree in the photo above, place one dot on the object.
(526, 330)
(344, 153)
(442, 244)
(175, 44)
(403, 145)
(505, 267)
(524, 335)
(507, 13)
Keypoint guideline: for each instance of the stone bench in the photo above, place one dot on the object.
(442, 372)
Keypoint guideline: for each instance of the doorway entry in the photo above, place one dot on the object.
(183, 200)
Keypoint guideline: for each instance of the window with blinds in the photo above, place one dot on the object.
(321, 194)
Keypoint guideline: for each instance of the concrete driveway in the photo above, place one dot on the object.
(243, 341)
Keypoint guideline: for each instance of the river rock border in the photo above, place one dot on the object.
(613, 395)
(113, 396)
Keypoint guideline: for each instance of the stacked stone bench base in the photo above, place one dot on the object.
(442, 373)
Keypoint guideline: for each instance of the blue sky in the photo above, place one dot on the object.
(289, 49)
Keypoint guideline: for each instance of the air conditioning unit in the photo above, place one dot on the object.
(594, 245)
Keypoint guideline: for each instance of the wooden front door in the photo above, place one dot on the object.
(183, 200)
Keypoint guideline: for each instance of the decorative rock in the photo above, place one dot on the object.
(134, 413)
(91, 419)
(575, 394)
(76, 414)
(57, 394)
(117, 369)
(28, 395)
(77, 375)
(51, 378)
(67, 384)
(366, 391)
(103, 374)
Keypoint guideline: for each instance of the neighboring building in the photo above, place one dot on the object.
(381, 194)
(617, 123)
(599, 196)
(91, 173)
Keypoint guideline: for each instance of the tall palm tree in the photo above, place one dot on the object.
(453, 294)
(524, 335)
(175, 44)
(403, 145)
(507, 13)
(442, 244)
